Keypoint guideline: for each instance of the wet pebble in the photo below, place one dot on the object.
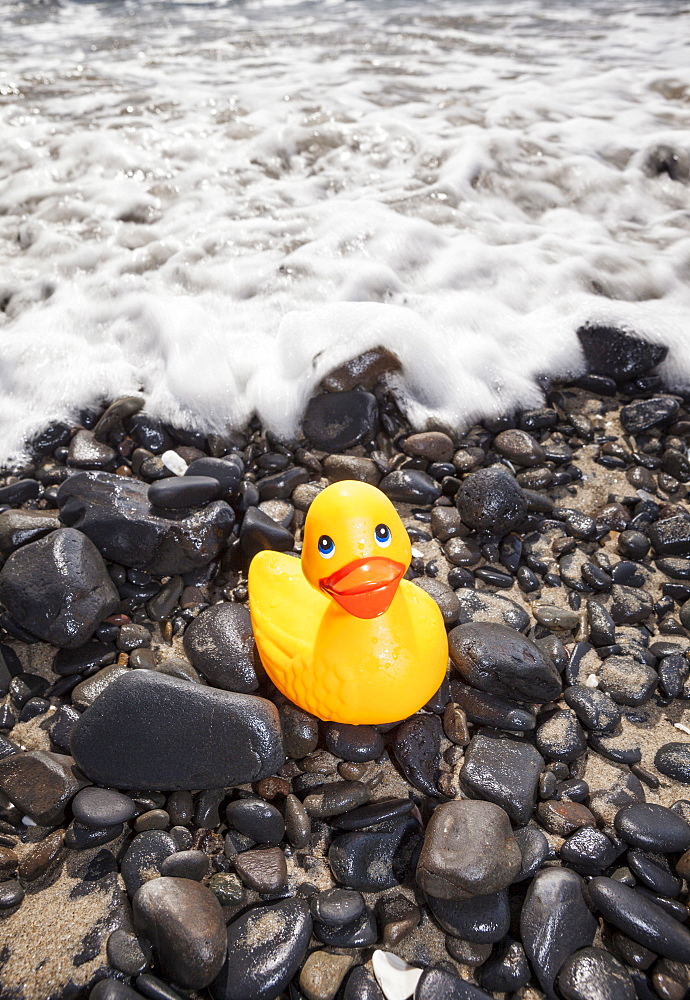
(256, 819)
(653, 871)
(266, 946)
(264, 870)
(297, 822)
(335, 798)
(442, 982)
(127, 953)
(588, 850)
(179, 492)
(482, 919)
(673, 760)
(41, 857)
(594, 708)
(645, 413)
(145, 855)
(353, 743)
(398, 917)
(335, 421)
(11, 894)
(595, 974)
(417, 750)
(628, 681)
(40, 783)
(652, 828)
(360, 985)
(300, 730)
(410, 486)
(534, 848)
(369, 861)
(483, 708)
(99, 807)
(372, 814)
(491, 500)
(507, 969)
(483, 606)
(640, 919)
(555, 922)
(322, 974)
(497, 659)
(504, 770)
(561, 737)
(564, 817)
(220, 645)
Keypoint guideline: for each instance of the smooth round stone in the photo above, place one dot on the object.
(432, 445)
(497, 659)
(628, 681)
(185, 922)
(519, 447)
(186, 864)
(654, 872)
(99, 807)
(652, 828)
(485, 709)
(363, 932)
(128, 953)
(507, 969)
(491, 500)
(469, 850)
(336, 797)
(369, 861)
(534, 848)
(113, 989)
(441, 982)
(300, 730)
(444, 596)
(602, 628)
(256, 819)
(673, 760)
(11, 894)
(470, 953)
(640, 919)
(629, 605)
(633, 544)
(561, 737)
(588, 849)
(398, 917)
(145, 854)
(322, 974)
(410, 486)
(554, 617)
(595, 709)
(266, 946)
(483, 606)
(373, 813)
(645, 413)
(220, 645)
(483, 919)
(555, 922)
(337, 906)
(594, 974)
(563, 818)
(623, 748)
(180, 492)
(353, 743)
(92, 654)
(297, 822)
(417, 750)
(83, 838)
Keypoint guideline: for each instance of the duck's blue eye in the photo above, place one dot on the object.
(382, 534)
(326, 546)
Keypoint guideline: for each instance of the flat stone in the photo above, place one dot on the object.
(645, 413)
(17, 493)
(85, 452)
(555, 922)
(99, 807)
(410, 486)
(594, 708)
(186, 864)
(486, 709)
(184, 922)
(148, 730)
(220, 644)
(266, 946)
(264, 870)
(227, 471)
(502, 769)
(498, 659)
(40, 784)
(483, 606)
(115, 513)
(182, 492)
(417, 751)
(469, 850)
(629, 605)
(336, 421)
(322, 974)
(640, 919)
(627, 681)
(491, 500)
(338, 468)
(669, 536)
(652, 828)
(18, 527)
(58, 588)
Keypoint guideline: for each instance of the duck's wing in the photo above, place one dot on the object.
(286, 613)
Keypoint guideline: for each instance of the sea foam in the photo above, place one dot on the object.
(216, 204)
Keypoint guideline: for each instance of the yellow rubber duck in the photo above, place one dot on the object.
(339, 632)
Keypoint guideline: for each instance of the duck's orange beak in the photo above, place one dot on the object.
(365, 587)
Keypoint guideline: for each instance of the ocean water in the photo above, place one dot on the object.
(216, 203)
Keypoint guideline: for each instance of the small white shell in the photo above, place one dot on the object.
(397, 979)
(174, 462)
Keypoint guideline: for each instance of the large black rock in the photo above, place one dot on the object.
(491, 500)
(618, 355)
(338, 420)
(148, 730)
(497, 659)
(502, 769)
(116, 515)
(58, 588)
(220, 644)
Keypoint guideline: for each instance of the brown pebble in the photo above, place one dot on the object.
(644, 775)
(322, 974)
(398, 917)
(320, 762)
(564, 817)
(272, 788)
(154, 819)
(209, 842)
(455, 725)
(263, 870)
(122, 659)
(471, 953)
(432, 445)
(123, 470)
(683, 865)
(117, 619)
(351, 771)
(447, 785)
(42, 857)
(8, 862)
(667, 988)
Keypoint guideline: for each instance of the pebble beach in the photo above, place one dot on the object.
(173, 827)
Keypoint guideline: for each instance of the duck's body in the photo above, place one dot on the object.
(336, 663)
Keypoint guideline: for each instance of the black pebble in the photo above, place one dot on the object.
(371, 861)
(593, 707)
(673, 760)
(594, 974)
(417, 750)
(353, 743)
(504, 770)
(484, 919)
(652, 828)
(640, 919)
(256, 819)
(180, 492)
(507, 969)
(335, 421)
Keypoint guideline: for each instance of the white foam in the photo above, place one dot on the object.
(215, 205)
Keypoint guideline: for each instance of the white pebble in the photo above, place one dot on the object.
(592, 681)
(174, 462)
(416, 554)
(27, 821)
(683, 729)
(397, 979)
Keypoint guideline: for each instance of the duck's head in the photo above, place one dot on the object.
(355, 548)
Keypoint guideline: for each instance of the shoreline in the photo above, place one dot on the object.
(585, 480)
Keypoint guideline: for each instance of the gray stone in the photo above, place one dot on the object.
(220, 644)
